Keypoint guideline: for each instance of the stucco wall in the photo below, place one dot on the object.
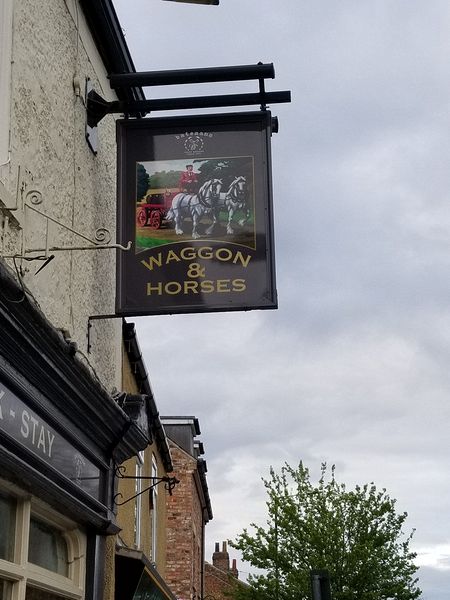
(51, 162)
(126, 513)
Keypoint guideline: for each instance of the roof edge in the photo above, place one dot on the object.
(134, 354)
(109, 38)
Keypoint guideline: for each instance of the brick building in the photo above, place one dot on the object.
(188, 510)
(221, 580)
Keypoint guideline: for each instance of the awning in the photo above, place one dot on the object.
(137, 578)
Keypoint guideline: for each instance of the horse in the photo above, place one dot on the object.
(195, 205)
(236, 199)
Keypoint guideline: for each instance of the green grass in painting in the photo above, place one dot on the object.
(142, 242)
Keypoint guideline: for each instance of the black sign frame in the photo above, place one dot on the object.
(223, 259)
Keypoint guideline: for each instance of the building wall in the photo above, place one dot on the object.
(184, 529)
(126, 514)
(47, 53)
(52, 168)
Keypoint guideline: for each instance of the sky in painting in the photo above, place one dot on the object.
(353, 367)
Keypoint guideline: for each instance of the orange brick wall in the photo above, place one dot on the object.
(220, 579)
(184, 532)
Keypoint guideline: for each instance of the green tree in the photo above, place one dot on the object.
(142, 181)
(164, 179)
(356, 535)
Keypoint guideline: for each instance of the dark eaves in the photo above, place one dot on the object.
(110, 41)
(140, 372)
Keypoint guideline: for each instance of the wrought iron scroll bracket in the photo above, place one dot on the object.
(170, 483)
(102, 240)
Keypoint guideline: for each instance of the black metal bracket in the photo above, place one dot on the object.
(170, 483)
(98, 107)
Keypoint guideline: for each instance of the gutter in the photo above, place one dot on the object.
(140, 372)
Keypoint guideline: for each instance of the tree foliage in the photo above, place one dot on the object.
(142, 182)
(226, 169)
(165, 179)
(355, 534)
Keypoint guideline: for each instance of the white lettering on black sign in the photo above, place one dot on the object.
(31, 431)
(41, 437)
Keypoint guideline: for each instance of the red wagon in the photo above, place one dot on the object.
(152, 211)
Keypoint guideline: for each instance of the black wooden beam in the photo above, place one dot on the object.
(183, 76)
(97, 107)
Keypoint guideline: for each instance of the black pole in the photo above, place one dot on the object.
(97, 107)
(183, 76)
(277, 567)
(143, 106)
(320, 585)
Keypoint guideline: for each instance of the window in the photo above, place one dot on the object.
(7, 528)
(42, 554)
(5, 589)
(154, 508)
(47, 548)
(138, 504)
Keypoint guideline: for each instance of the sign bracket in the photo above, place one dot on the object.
(98, 107)
(169, 484)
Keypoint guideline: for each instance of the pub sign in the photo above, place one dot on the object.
(194, 197)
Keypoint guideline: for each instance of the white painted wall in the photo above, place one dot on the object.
(50, 160)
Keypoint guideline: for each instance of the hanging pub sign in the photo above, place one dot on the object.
(194, 196)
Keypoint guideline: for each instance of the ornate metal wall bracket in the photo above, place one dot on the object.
(101, 241)
(170, 483)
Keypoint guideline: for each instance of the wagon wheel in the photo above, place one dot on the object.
(141, 217)
(155, 219)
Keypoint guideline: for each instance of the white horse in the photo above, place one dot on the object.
(236, 199)
(195, 205)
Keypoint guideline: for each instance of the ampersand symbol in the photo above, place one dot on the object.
(195, 270)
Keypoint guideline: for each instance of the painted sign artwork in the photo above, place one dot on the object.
(204, 199)
(195, 200)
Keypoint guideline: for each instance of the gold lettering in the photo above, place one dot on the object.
(244, 261)
(223, 285)
(205, 252)
(171, 255)
(154, 288)
(153, 260)
(207, 286)
(191, 286)
(188, 253)
(173, 288)
(239, 285)
(224, 254)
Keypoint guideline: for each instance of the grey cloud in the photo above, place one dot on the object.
(353, 367)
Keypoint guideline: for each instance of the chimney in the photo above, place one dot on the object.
(221, 560)
(234, 570)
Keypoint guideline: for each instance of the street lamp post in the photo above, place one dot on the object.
(320, 585)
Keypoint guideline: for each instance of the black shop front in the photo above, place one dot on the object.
(61, 435)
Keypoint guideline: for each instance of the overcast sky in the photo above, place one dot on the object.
(353, 368)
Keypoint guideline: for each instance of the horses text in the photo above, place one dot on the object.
(197, 281)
